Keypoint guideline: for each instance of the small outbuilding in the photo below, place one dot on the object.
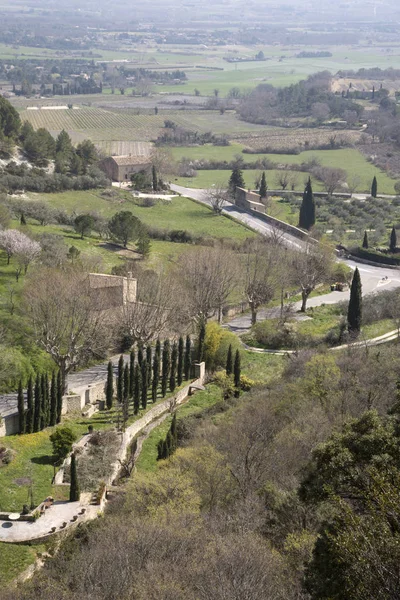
(121, 168)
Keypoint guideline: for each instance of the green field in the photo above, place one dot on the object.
(15, 558)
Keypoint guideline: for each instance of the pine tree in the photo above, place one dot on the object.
(365, 241)
(393, 240)
(29, 406)
(125, 406)
(137, 389)
(235, 180)
(374, 187)
(53, 400)
(307, 208)
(60, 389)
(180, 361)
(74, 493)
(144, 384)
(120, 380)
(166, 360)
(156, 377)
(188, 357)
(110, 386)
(172, 375)
(354, 314)
(38, 405)
(149, 363)
(21, 408)
(131, 373)
(154, 177)
(200, 342)
(229, 361)
(237, 373)
(263, 186)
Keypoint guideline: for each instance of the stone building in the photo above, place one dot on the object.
(249, 200)
(121, 168)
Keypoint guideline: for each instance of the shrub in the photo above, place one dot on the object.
(62, 440)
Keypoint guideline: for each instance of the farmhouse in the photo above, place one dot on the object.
(120, 168)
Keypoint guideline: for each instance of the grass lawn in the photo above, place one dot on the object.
(15, 558)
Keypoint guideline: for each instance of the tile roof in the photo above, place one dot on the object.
(131, 160)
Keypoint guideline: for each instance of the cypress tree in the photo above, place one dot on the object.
(200, 343)
(38, 403)
(188, 357)
(229, 361)
(120, 380)
(393, 240)
(53, 400)
(110, 385)
(166, 359)
(237, 373)
(149, 362)
(29, 406)
(354, 314)
(174, 432)
(74, 493)
(21, 408)
(131, 373)
(140, 355)
(144, 383)
(156, 377)
(263, 186)
(158, 349)
(307, 208)
(365, 241)
(44, 414)
(60, 390)
(172, 375)
(374, 187)
(137, 390)
(125, 406)
(22, 220)
(180, 361)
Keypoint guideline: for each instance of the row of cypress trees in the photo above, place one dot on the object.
(43, 403)
(164, 368)
(234, 367)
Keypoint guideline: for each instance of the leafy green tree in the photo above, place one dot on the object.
(53, 400)
(144, 384)
(143, 245)
(62, 439)
(137, 389)
(374, 188)
(393, 240)
(21, 408)
(180, 361)
(10, 122)
(166, 365)
(64, 143)
(110, 386)
(235, 180)
(125, 227)
(188, 357)
(73, 254)
(307, 208)
(29, 406)
(263, 186)
(229, 361)
(120, 379)
(172, 374)
(87, 152)
(354, 312)
(74, 492)
(365, 241)
(83, 225)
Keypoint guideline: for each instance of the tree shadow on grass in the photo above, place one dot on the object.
(43, 460)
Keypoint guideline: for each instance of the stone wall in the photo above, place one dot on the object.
(249, 200)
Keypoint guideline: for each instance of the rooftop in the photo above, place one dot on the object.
(132, 159)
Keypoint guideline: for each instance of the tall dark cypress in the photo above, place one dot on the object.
(44, 413)
(149, 363)
(21, 408)
(110, 385)
(29, 406)
(188, 357)
(137, 389)
(74, 493)
(365, 241)
(237, 373)
(158, 349)
(374, 188)
(307, 208)
(38, 405)
(354, 313)
(200, 342)
(53, 400)
(229, 361)
(156, 377)
(144, 384)
(172, 374)
(263, 186)
(120, 380)
(60, 393)
(180, 361)
(140, 355)
(393, 240)
(131, 373)
(166, 360)
(125, 406)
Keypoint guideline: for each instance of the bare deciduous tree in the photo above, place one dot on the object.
(311, 267)
(259, 275)
(217, 196)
